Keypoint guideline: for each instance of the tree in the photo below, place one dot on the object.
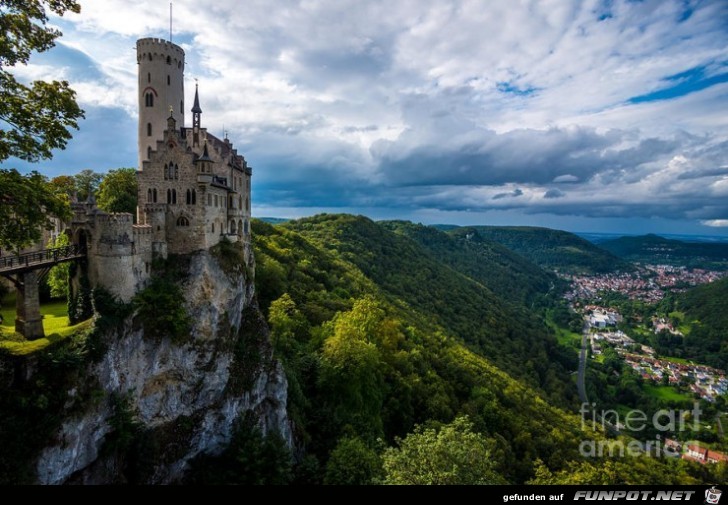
(352, 463)
(58, 275)
(118, 191)
(28, 204)
(87, 183)
(453, 455)
(36, 117)
(64, 185)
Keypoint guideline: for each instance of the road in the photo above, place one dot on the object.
(581, 377)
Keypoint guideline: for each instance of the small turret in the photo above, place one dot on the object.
(196, 111)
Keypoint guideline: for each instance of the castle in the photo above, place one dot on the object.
(194, 188)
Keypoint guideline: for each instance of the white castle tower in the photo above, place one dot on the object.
(161, 88)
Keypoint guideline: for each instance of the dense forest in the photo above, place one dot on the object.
(397, 359)
(550, 249)
(659, 250)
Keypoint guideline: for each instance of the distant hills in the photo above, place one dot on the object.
(547, 248)
(659, 250)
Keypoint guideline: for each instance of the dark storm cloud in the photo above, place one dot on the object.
(518, 156)
(553, 193)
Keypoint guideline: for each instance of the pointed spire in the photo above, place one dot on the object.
(196, 106)
(205, 155)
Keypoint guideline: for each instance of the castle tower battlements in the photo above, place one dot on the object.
(161, 87)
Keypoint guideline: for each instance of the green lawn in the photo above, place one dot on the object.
(679, 361)
(55, 325)
(665, 393)
(563, 336)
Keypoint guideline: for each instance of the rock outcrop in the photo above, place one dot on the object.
(184, 395)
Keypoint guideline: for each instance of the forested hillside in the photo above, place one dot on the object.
(659, 250)
(550, 249)
(379, 335)
(508, 275)
(705, 308)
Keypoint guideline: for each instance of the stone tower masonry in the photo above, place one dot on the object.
(161, 87)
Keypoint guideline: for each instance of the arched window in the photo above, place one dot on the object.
(230, 201)
(154, 195)
(213, 227)
(169, 196)
(149, 195)
(245, 230)
(169, 60)
(166, 174)
(150, 56)
(232, 226)
(194, 197)
(240, 202)
(149, 77)
(170, 172)
(215, 200)
(176, 172)
(174, 196)
(149, 99)
(183, 221)
(188, 200)
(149, 152)
(240, 226)
(209, 200)
(149, 129)
(168, 80)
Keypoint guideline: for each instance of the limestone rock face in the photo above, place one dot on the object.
(185, 396)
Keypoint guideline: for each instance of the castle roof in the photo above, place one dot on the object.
(196, 106)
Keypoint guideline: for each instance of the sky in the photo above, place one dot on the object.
(606, 116)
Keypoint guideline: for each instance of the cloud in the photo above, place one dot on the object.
(554, 193)
(430, 104)
(715, 223)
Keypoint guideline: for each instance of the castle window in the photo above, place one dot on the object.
(194, 197)
(181, 105)
(230, 201)
(245, 230)
(149, 100)
(213, 227)
(183, 221)
(189, 197)
(215, 200)
(169, 171)
(176, 171)
(150, 56)
(209, 200)
(169, 196)
(174, 196)
(149, 129)
(179, 64)
(168, 81)
(240, 226)
(169, 60)
(149, 152)
(240, 202)
(247, 203)
(154, 195)
(232, 226)
(149, 195)
(149, 77)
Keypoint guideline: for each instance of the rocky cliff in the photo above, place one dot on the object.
(181, 396)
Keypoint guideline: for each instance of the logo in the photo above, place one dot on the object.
(712, 496)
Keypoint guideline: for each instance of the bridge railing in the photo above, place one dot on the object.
(46, 255)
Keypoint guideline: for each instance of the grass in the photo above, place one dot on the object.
(679, 361)
(55, 325)
(563, 336)
(665, 393)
